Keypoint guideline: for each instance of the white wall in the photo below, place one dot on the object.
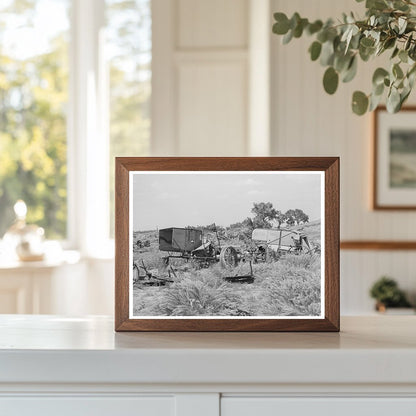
(308, 122)
(200, 77)
(211, 92)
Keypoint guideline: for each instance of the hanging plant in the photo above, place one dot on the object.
(389, 27)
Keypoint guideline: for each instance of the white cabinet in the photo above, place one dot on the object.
(79, 366)
(270, 406)
(43, 288)
(68, 286)
(202, 405)
(26, 291)
(87, 406)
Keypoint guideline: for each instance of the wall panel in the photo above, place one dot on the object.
(212, 24)
(308, 122)
(212, 108)
(200, 77)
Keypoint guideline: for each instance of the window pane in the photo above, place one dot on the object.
(33, 100)
(129, 45)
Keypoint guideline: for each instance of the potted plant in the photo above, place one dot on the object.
(387, 294)
(389, 27)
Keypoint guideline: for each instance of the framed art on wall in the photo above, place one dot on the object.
(394, 178)
(227, 244)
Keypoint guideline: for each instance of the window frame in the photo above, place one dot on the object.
(88, 133)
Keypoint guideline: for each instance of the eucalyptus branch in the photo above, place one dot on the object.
(389, 25)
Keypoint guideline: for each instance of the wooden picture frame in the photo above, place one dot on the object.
(134, 174)
(391, 174)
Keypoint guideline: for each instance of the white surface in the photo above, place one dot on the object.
(46, 349)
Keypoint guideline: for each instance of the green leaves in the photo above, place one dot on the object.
(300, 25)
(376, 4)
(339, 44)
(374, 102)
(379, 75)
(393, 100)
(403, 56)
(314, 27)
(351, 71)
(315, 50)
(294, 27)
(330, 80)
(281, 27)
(408, 42)
(359, 103)
(367, 48)
(397, 71)
(327, 54)
(379, 78)
(402, 24)
(348, 34)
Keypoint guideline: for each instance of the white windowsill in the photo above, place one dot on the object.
(65, 257)
(56, 257)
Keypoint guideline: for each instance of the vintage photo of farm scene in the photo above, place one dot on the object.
(226, 244)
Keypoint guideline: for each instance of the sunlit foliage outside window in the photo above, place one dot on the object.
(129, 43)
(33, 103)
(34, 68)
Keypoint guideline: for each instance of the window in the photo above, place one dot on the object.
(33, 98)
(129, 43)
(75, 87)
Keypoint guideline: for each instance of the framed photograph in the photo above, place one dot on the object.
(394, 176)
(227, 244)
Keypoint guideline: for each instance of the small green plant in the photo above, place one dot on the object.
(388, 294)
(389, 26)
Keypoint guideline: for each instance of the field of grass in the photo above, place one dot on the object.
(290, 286)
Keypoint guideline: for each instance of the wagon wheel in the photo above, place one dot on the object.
(228, 257)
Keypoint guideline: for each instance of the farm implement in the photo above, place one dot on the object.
(241, 278)
(149, 277)
(190, 244)
(270, 244)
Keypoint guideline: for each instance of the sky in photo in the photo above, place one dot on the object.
(162, 200)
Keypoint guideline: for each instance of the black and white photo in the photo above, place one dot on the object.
(232, 244)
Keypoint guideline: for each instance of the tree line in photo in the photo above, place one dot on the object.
(265, 216)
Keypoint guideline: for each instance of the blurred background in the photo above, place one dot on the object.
(83, 81)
